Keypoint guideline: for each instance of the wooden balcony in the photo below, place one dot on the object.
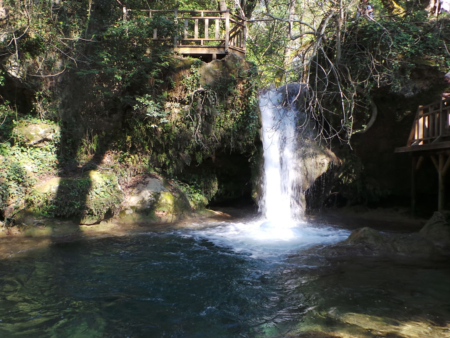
(430, 130)
(430, 138)
(210, 34)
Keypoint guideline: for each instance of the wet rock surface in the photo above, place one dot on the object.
(429, 243)
(437, 229)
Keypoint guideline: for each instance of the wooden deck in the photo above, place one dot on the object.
(430, 138)
(430, 130)
(209, 33)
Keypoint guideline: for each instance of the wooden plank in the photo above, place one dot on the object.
(199, 39)
(216, 26)
(435, 162)
(206, 29)
(227, 30)
(186, 26)
(447, 165)
(434, 112)
(175, 38)
(206, 17)
(196, 29)
(436, 125)
(431, 120)
(425, 147)
(442, 120)
(441, 198)
(412, 134)
(413, 186)
(420, 124)
(419, 162)
(426, 138)
(237, 23)
(204, 11)
(245, 37)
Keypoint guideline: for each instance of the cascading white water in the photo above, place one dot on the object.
(282, 231)
(280, 200)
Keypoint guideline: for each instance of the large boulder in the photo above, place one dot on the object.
(369, 242)
(36, 134)
(437, 229)
(149, 199)
(89, 199)
(144, 195)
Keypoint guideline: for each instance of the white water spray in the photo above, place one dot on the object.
(282, 231)
(280, 203)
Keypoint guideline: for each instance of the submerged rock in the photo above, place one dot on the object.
(383, 243)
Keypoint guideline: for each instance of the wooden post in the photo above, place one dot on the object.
(196, 29)
(441, 120)
(124, 10)
(186, 25)
(245, 36)
(206, 28)
(227, 30)
(175, 38)
(216, 26)
(441, 200)
(413, 186)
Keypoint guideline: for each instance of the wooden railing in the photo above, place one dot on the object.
(202, 29)
(431, 124)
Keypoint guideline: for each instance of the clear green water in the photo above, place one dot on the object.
(178, 284)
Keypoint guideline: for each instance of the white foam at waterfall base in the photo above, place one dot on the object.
(264, 240)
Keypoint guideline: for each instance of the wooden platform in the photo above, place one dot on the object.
(430, 138)
(213, 34)
(430, 130)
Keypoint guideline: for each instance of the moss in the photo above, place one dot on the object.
(36, 134)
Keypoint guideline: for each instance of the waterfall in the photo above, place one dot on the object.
(281, 202)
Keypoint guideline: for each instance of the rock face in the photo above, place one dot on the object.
(13, 66)
(437, 229)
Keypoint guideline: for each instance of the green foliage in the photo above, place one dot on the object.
(111, 67)
(15, 184)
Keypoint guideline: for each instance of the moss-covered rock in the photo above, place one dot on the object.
(151, 199)
(36, 134)
(88, 199)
